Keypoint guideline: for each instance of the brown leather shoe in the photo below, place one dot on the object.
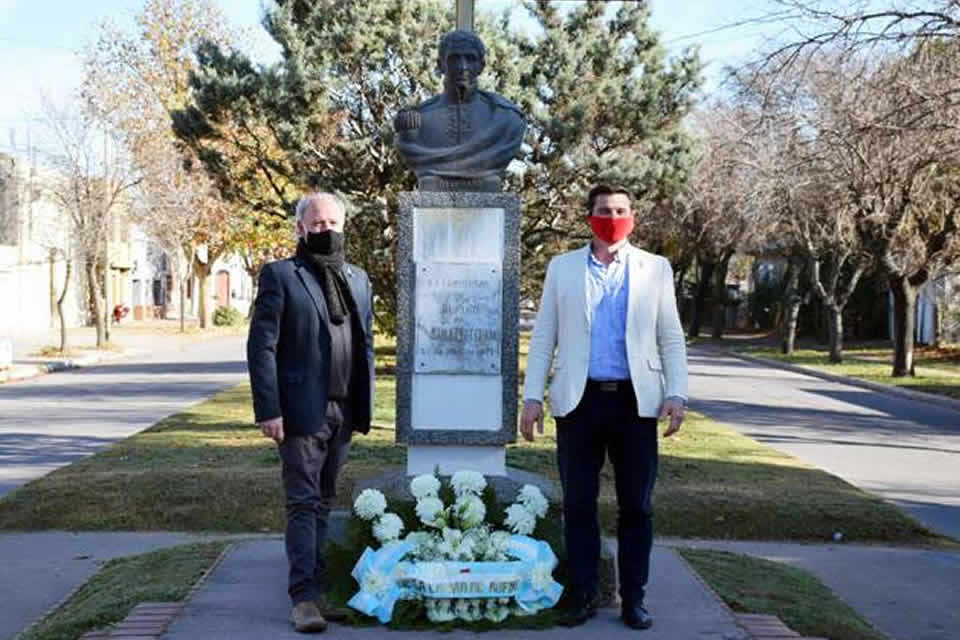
(306, 617)
(332, 614)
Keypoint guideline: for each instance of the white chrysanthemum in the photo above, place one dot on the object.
(375, 582)
(439, 609)
(531, 498)
(424, 486)
(465, 551)
(388, 528)
(519, 520)
(369, 504)
(461, 607)
(496, 549)
(465, 482)
(541, 576)
(428, 509)
(470, 511)
(496, 612)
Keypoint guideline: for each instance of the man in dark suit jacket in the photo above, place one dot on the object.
(310, 356)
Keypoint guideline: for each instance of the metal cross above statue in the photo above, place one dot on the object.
(464, 138)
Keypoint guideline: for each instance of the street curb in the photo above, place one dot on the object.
(932, 398)
(27, 371)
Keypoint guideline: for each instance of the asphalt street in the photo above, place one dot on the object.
(49, 421)
(904, 450)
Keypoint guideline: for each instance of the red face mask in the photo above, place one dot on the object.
(609, 229)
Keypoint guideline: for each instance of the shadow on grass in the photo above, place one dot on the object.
(217, 488)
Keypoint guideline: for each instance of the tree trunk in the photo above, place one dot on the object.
(904, 318)
(700, 299)
(792, 301)
(183, 304)
(59, 304)
(938, 324)
(254, 285)
(202, 271)
(680, 273)
(96, 300)
(52, 256)
(720, 295)
(835, 331)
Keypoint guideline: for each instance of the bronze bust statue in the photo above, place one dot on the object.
(464, 138)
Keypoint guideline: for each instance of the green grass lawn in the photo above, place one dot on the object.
(801, 601)
(209, 469)
(934, 374)
(166, 575)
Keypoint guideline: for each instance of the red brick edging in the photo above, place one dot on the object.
(146, 621)
(767, 627)
(150, 620)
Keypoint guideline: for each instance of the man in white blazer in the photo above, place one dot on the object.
(609, 312)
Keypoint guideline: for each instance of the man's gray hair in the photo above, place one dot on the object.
(304, 202)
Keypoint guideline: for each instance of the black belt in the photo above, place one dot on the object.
(609, 386)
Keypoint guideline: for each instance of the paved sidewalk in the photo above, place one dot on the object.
(41, 569)
(245, 598)
(129, 338)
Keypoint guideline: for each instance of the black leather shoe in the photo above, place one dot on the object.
(636, 617)
(582, 610)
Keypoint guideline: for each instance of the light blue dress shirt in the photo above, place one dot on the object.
(607, 289)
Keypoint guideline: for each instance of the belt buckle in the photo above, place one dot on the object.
(608, 385)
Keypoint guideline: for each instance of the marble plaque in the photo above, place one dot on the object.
(458, 235)
(459, 318)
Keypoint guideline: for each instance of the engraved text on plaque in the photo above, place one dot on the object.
(459, 318)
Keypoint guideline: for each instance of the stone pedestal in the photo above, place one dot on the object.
(458, 258)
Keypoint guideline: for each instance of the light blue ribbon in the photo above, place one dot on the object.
(384, 578)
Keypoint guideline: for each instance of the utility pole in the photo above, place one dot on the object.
(465, 14)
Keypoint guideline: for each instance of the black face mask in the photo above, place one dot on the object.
(325, 243)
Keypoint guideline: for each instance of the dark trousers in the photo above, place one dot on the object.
(605, 423)
(310, 467)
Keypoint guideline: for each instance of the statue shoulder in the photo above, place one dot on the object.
(502, 103)
(429, 102)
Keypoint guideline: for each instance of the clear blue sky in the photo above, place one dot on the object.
(39, 40)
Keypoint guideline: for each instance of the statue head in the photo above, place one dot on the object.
(461, 59)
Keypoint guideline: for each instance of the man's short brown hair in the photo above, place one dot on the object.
(605, 190)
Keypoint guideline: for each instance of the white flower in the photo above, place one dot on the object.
(541, 576)
(465, 550)
(439, 609)
(428, 509)
(462, 608)
(388, 528)
(497, 546)
(425, 545)
(470, 510)
(424, 486)
(375, 582)
(519, 520)
(468, 482)
(496, 612)
(370, 504)
(531, 498)
(448, 548)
